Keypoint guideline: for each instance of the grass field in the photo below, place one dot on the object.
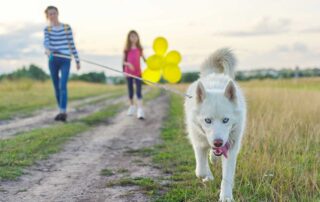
(279, 160)
(24, 96)
(280, 157)
(296, 84)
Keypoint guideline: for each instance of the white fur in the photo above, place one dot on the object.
(216, 102)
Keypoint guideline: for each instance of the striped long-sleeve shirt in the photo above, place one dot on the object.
(59, 39)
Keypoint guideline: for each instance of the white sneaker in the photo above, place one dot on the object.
(131, 110)
(140, 113)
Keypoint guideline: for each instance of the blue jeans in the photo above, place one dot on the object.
(130, 87)
(61, 65)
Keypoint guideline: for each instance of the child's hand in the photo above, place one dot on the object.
(47, 52)
(78, 66)
(129, 65)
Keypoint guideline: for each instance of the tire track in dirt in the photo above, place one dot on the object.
(74, 173)
(44, 118)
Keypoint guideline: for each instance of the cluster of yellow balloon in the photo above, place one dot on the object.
(161, 64)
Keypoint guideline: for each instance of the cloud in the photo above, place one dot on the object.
(264, 27)
(285, 55)
(311, 30)
(21, 41)
(22, 45)
(295, 47)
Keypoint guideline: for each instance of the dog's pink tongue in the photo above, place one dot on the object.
(224, 150)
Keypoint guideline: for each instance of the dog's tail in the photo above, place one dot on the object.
(221, 61)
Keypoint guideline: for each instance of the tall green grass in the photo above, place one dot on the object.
(279, 159)
(299, 84)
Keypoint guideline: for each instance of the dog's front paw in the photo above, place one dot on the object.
(226, 199)
(205, 174)
(208, 178)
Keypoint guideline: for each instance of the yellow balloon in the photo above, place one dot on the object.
(151, 75)
(173, 57)
(155, 62)
(160, 45)
(172, 73)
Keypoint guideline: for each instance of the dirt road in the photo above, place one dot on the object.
(44, 117)
(74, 173)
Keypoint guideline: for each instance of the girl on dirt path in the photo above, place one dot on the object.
(133, 51)
(58, 38)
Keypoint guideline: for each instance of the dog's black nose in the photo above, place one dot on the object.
(217, 142)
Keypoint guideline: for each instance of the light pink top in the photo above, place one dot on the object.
(133, 57)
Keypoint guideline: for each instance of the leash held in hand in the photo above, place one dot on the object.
(125, 74)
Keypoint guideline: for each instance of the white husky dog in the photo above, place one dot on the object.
(215, 118)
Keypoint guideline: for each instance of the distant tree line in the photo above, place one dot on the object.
(189, 77)
(93, 77)
(277, 74)
(36, 73)
(32, 72)
(261, 74)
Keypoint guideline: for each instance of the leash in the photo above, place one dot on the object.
(125, 74)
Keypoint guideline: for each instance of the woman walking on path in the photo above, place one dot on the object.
(131, 62)
(58, 39)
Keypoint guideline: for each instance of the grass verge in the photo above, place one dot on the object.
(101, 115)
(152, 94)
(106, 172)
(112, 95)
(147, 185)
(23, 150)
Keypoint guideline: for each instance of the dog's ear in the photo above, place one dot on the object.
(200, 93)
(230, 92)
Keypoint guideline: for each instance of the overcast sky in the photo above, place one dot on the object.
(282, 33)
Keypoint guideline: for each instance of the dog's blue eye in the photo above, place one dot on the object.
(225, 120)
(208, 121)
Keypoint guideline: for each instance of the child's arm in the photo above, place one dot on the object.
(125, 63)
(46, 41)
